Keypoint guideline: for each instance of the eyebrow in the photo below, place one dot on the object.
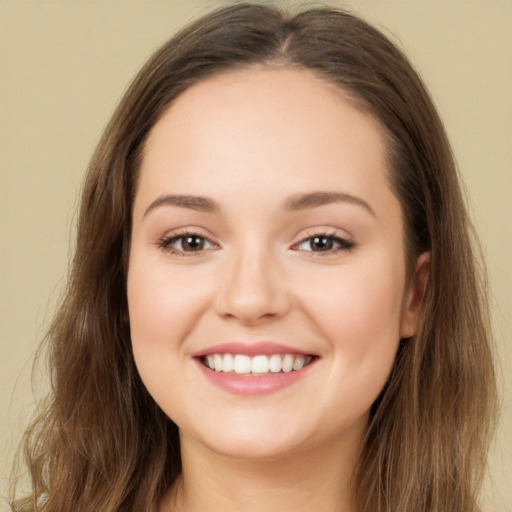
(198, 203)
(294, 203)
(316, 199)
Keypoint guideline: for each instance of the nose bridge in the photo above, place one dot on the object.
(251, 288)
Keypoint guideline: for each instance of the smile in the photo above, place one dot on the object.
(254, 368)
(258, 365)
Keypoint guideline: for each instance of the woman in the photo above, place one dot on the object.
(274, 301)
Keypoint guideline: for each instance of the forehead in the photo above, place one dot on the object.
(269, 97)
(261, 127)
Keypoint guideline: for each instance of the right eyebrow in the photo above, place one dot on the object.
(198, 203)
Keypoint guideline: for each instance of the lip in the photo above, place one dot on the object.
(253, 385)
(265, 348)
(257, 384)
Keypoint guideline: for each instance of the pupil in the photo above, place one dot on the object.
(193, 243)
(322, 243)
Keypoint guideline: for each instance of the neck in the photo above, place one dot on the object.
(309, 480)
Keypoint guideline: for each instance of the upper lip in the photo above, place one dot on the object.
(249, 349)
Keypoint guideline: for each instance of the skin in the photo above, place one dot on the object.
(252, 141)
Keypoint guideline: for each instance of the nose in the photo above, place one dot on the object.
(252, 289)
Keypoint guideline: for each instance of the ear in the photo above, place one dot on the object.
(414, 295)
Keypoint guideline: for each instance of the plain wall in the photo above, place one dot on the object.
(65, 64)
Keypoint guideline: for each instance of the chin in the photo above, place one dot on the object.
(259, 449)
(261, 438)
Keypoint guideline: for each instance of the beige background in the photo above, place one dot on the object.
(63, 67)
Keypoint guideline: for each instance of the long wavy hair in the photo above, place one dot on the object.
(100, 443)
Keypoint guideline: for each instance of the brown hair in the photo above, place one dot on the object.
(102, 443)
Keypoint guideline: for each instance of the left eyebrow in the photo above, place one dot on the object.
(316, 199)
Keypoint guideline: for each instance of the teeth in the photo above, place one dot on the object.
(217, 362)
(228, 363)
(287, 363)
(260, 364)
(298, 363)
(275, 363)
(241, 364)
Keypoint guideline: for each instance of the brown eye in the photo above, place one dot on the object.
(187, 243)
(192, 243)
(321, 243)
(324, 244)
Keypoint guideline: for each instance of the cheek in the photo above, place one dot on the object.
(160, 309)
(160, 303)
(358, 311)
(163, 306)
(150, 305)
(364, 298)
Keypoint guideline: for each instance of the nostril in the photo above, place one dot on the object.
(252, 290)
(250, 311)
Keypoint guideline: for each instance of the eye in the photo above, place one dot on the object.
(323, 243)
(187, 243)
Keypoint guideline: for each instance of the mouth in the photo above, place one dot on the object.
(257, 365)
(254, 368)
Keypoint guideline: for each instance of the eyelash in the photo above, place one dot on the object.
(343, 244)
(165, 244)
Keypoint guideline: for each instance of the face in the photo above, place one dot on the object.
(266, 285)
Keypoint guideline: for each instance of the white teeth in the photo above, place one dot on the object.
(275, 363)
(217, 362)
(261, 364)
(242, 364)
(287, 363)
(298, 363)
(229, 363)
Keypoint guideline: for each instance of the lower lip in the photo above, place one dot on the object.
(257, 385)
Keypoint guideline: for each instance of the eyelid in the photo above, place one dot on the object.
(164, 243)
(345, 242)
